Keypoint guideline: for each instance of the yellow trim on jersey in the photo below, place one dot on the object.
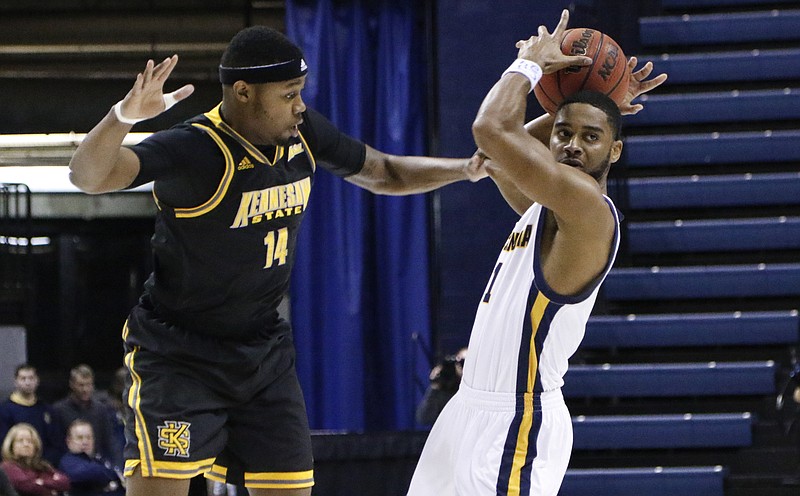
(521, 449)
(218, 473)
(134, 401)
(172, 470)
(227, 177)
(215, 117)
(537, 312)
(155, 198)
(308, 152)
(279, 480)
(526, 423)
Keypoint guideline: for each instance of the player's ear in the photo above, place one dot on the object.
(242, 91)
(616, 152)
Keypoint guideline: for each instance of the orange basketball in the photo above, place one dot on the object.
(608, 74)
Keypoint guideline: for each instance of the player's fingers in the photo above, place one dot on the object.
(169, 65)
(542, 30)
(147, 74)
(137, 85)
(183, 92)
(562, 23)
(632, 63)
(645, 71)
(158, 71)
(578, 60)
(655, 82)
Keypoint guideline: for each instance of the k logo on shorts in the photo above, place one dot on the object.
(174, 438)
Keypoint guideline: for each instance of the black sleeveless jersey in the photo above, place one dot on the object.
(228, 218)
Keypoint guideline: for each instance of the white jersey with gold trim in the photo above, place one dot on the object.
(524, 332)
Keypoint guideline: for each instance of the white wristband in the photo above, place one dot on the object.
(527, 68)
(169, 101)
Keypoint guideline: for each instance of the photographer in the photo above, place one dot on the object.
(444, 380)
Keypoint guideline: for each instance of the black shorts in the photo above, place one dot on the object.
(222, 413)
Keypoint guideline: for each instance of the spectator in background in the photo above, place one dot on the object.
(81, 403)
(89, 473)
(444, 379)
(28, 472)
(117, 405)
(6, 489)
(25, 406)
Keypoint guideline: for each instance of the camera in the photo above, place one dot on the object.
(448, 374)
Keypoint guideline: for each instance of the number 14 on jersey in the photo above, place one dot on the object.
(277, 247)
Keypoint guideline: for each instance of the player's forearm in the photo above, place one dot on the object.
(404, 175)
(95, 165)
(501, 113)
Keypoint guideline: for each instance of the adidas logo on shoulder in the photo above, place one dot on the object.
(245, 164)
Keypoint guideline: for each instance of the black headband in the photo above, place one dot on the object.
(282, 71)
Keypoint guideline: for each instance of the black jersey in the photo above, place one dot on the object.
(228, 218)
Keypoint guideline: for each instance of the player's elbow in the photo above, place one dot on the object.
(82, 184)
(85, 182)
(482, 131)
(488, 133)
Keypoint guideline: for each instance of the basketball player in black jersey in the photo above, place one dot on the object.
(212, 386)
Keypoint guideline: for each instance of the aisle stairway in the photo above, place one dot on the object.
(673, 390)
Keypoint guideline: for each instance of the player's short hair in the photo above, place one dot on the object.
(599, 101)
(258, 46)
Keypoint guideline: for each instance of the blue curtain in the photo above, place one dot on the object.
(360, 283)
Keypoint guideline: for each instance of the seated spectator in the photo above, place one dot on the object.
(115, 400)
(89, 473)
(28, 472)
(25, 406)
(6, 489)
(81, 403)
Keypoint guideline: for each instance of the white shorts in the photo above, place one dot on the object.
(489, 444)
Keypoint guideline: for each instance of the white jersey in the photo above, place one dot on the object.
(507, 431)
(524, 332)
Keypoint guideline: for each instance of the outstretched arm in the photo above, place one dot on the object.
(100, 164)
(403, 175)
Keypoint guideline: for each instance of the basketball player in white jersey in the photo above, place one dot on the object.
(507, 430)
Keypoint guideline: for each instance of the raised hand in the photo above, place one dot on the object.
(545, 48)
(147, 98)
(638, 84)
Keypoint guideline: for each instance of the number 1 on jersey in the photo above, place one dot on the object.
(491, 284)
(276, 249)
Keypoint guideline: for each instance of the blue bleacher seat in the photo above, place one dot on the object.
(713, 148)
(714, 430)
(708, 281)
(676, 4)
(669, 379)
(715, 235)
(728, 190)
(652, 481)
(729, 27)
(741, 65)
(717, 106)
(692, 329)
